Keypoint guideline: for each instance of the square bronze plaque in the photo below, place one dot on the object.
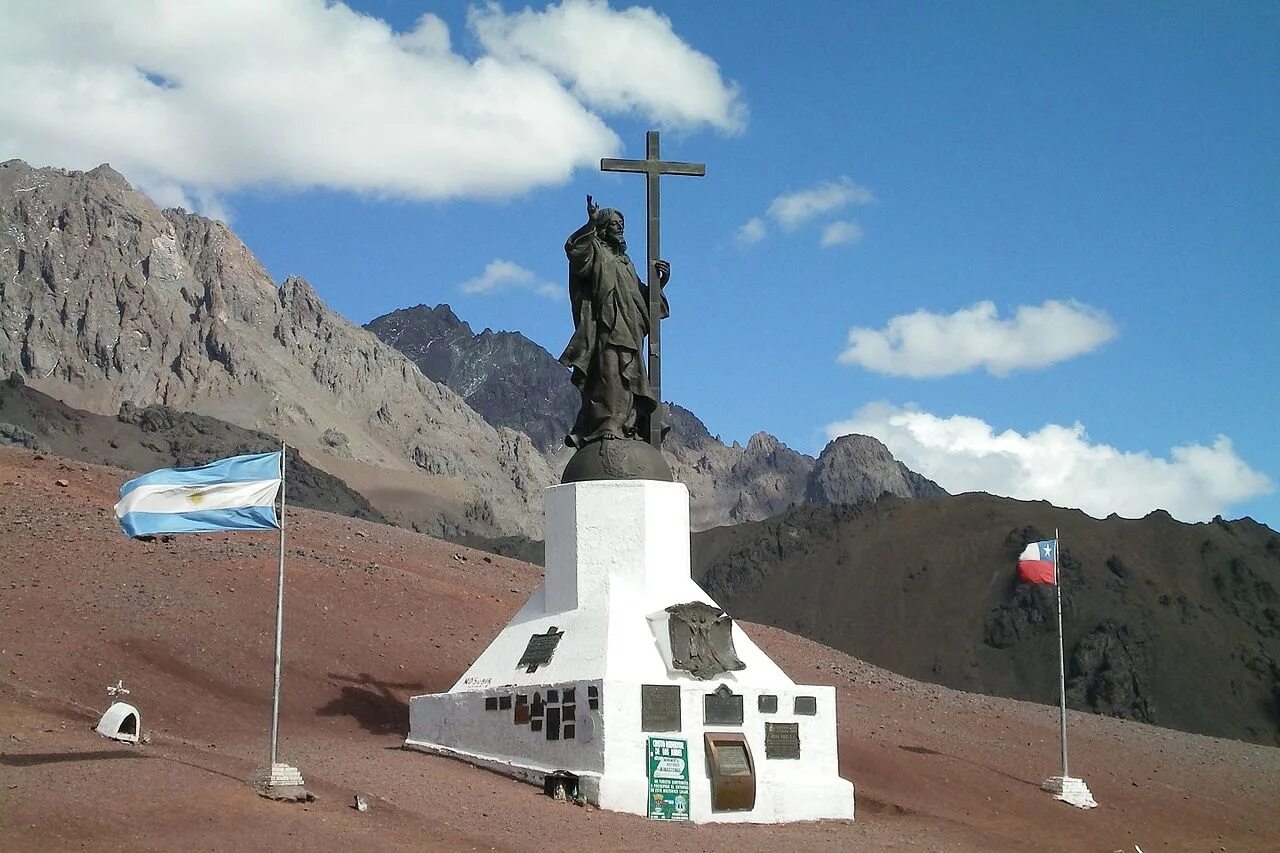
(722, 708)
(660, 707)
(781, 740)
(538, 652)
(807, 705)
(768, 703)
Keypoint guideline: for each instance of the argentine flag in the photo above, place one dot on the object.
(231, 494)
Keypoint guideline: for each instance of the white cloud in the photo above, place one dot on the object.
(618, 61)
(794, 209)
(1059, 464)
(840, 232)
(926, 345)
(500, 275)
(209, 96)
(752, 231)
(791, 210)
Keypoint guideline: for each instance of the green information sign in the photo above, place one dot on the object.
(668, 779)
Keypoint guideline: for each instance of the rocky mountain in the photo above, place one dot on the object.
(159, 437)
(1164, 622)
(507, 378)
(514, 382)
(856, 468)
(105, 300)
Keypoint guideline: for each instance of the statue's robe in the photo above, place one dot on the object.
(610, 319)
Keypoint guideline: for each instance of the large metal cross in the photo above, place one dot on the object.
(652, 167)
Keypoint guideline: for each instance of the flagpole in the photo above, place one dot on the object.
(1062, 666)
(275, 698)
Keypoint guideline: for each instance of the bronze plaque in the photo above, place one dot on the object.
(731, 771)
(781, 740)
(807, 705)
(541, 647)
(722, 708)
(768, 703)
(660, 707)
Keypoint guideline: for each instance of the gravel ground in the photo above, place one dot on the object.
(376, 614)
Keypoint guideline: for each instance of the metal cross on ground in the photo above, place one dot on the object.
(653, 167)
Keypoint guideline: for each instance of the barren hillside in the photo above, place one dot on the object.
(376, 614)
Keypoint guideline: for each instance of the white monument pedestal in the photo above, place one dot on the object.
(617, 555)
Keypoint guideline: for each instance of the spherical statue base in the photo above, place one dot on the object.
(617, 459)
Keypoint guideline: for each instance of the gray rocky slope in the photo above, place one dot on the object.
(106, 299)
(512, 381)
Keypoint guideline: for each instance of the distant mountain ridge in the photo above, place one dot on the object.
(106, 299)
(507, 378)
(1167, 623)
(512, 381)
(159, 437)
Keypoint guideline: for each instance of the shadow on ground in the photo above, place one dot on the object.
(380, 707)
(33, 759)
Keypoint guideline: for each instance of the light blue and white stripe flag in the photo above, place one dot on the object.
(231, 494)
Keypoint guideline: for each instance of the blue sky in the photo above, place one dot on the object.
(1103, 175)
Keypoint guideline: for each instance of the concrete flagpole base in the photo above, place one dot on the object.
(281, 782)
(1070, 790)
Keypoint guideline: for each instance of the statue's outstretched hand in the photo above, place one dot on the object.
(592, 208)
(664, 272)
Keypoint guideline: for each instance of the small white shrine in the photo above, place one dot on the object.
(591, 684)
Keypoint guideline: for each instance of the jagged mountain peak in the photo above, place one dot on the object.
(106, 299)
(853, 468)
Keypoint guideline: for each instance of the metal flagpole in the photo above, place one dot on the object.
(275, 700)
(1062, 666)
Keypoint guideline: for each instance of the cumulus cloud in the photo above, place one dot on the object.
(791, 210)
(618, 61)
(840, 232)
(500, 275)
(1061, 465)
(213, 95)
(794, 209)
(925, 345)
(752, 231)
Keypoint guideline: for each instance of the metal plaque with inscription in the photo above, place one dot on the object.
(781, 740)
(541, 647)
(722, 707)
(660, 707)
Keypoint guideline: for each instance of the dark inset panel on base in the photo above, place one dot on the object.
(553, 724)
(660, 707)
(768, 703)
(781, 740)
(807, 705)
(722, 707)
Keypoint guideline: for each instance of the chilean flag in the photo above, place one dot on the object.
(1037, 562)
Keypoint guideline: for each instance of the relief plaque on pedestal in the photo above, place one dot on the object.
(702, 640)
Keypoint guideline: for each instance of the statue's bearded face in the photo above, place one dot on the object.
(612, 232)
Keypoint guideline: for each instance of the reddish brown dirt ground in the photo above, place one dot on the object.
(375, 614)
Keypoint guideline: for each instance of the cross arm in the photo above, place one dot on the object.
(661, 167)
